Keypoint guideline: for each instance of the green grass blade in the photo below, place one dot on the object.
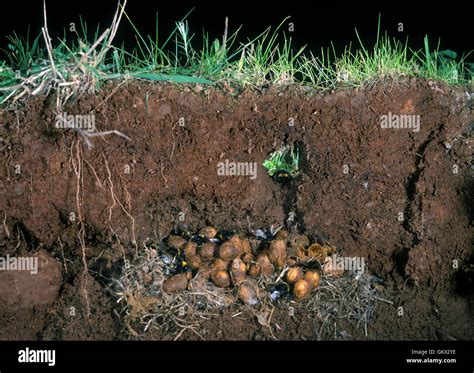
(172, 78)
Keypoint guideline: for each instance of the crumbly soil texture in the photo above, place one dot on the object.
(399, 198)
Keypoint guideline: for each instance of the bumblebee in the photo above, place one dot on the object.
(267, 235)
(282, 176)
(224, 235)
(279, 291)
(174, 262)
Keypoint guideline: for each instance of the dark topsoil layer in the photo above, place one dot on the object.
(173, 169)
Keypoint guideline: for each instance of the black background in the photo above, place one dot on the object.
(315, 26)
(349, 356)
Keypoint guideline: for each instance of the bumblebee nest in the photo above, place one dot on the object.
(146, 307)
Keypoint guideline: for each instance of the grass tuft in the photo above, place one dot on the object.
(285, 160)
(70, 69)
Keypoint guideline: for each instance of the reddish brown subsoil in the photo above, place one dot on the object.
(173, 169)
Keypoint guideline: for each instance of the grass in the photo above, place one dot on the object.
(73, 68)
(285, 160)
